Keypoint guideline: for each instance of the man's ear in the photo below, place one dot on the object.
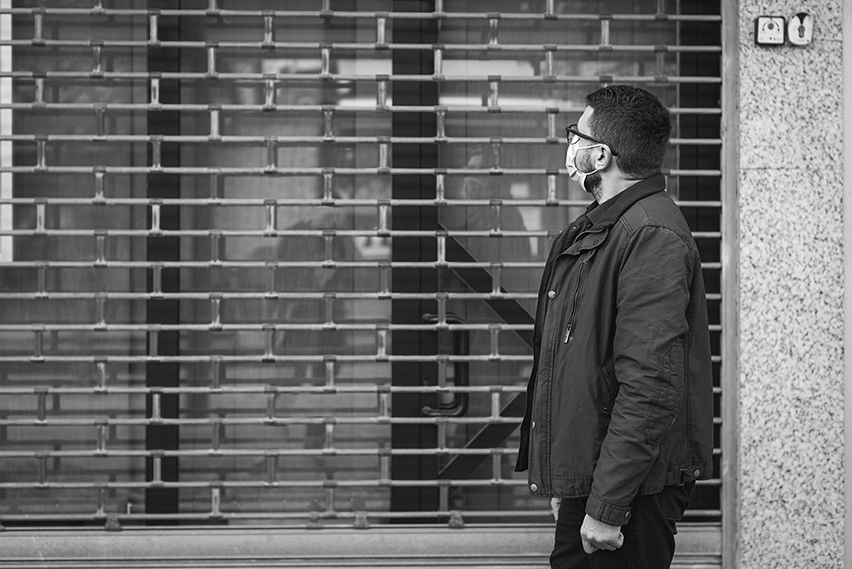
(603, 158)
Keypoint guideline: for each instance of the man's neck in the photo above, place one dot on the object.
(611, 187)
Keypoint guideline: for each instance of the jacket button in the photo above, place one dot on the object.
(697, 472)
(626, 516)
(534, 487)
(551, 295)
(533, 424)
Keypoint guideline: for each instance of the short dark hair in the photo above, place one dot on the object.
(635, 123)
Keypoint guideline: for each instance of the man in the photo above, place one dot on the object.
(619, 420)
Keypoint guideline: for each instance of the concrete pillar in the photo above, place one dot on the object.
(791, 293)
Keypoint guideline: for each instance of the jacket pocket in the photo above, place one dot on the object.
(668, 392)
(611, 385)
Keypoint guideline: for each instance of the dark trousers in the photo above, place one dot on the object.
(648, 536)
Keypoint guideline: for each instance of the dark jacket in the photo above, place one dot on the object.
(620, 397)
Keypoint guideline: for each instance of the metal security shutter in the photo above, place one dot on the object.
(268, 264)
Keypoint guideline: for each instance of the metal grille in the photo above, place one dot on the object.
(211, 298)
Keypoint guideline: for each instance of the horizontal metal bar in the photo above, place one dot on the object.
(256, 359)
(318, 171)
(316, 514)
(263, 326)
(341, 202)
(283, 233)
(282, 264)
(315, 48)
(265, 420)
(268, 421)
(211, 140)
(260, 483)
(266, 264)
(275, 295)
(304, 484)
(362, 46)
(267, 390)
(308, 108)
(360, 15)
(260, 389)
(315, 518)
(266, 326)
(303, 77)
(215, 453)
(265, 295)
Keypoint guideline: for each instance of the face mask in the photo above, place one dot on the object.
(570, 164)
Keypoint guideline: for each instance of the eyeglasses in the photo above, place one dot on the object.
(573, 135)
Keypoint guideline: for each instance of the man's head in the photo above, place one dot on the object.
(633, 123)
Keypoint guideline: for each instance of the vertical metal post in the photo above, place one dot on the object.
(847, 285)
(163, 249)
(414, 186)
(730, 279)
(6, 221)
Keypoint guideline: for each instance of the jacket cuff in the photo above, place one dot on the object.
(606, 512)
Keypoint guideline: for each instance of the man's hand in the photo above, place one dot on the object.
(598, 535)
(554, 507)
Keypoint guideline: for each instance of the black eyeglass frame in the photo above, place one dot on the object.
(572, 130)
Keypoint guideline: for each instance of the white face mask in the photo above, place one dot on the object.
(571, 166)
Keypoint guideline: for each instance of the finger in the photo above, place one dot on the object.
(604, 545)
(555, 503)
(587, 546)
(596, 543)
(612, 545)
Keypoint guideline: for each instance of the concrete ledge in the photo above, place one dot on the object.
(260, 547)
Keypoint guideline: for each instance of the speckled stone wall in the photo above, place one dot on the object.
(791, 492)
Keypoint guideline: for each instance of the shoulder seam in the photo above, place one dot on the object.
(689, 243)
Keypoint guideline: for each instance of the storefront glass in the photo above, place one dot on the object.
(276, 264)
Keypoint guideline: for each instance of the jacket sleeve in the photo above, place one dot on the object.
(648, 349)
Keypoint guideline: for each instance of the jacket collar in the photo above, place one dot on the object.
(624, 201)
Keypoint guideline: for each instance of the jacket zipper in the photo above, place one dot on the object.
(570, 328)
